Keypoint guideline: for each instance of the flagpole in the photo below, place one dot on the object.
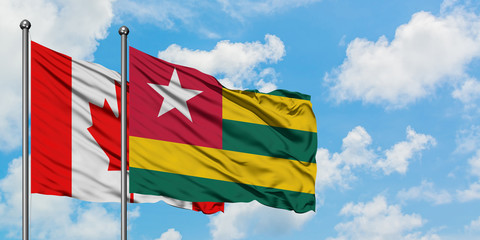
(25, 26)
(123, 31)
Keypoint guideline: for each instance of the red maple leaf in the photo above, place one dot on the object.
(106, 129)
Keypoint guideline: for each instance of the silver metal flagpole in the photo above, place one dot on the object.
(25, 26)
(123, 31)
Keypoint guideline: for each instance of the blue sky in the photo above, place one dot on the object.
(395, 89)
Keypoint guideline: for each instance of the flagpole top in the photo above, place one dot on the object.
(123, 30)
(26, 24)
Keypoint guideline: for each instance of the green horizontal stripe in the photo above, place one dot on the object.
(269, 141)
(284, 93)
(195, 189)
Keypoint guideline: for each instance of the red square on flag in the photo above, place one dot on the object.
(174, 103)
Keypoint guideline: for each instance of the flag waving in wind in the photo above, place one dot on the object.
(76, 131)
(192, 139)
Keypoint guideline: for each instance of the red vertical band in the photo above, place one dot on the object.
(51, 134)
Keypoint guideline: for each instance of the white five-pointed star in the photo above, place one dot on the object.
(174, 96)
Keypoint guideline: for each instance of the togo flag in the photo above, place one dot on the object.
(192, 139)
(76, 131)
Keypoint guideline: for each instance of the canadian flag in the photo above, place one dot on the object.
(75, 131)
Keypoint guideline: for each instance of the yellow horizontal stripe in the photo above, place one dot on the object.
(269, 110)
(222, 165)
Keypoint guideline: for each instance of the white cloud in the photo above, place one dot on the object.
(331, 171)
(355, 150)
(474, 226)
(91, 222)
(170, 14)
(71, 27)
(163, 13)
(425, 192)
(474, 163)
(420, 236)
(470, 194)
(195, 15)
(447, 5)
(132, 214)
(337, 168)
(426, 52)
(237, 63)
(468, 140)
(378, 220)
(268, 78)
(242, 9)
(397, 157)
(473, 192)
(266, 87)
(468, 93)
(342, 43)
(243, 219)
(170, 234)
(11, 197)
(52, 217)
